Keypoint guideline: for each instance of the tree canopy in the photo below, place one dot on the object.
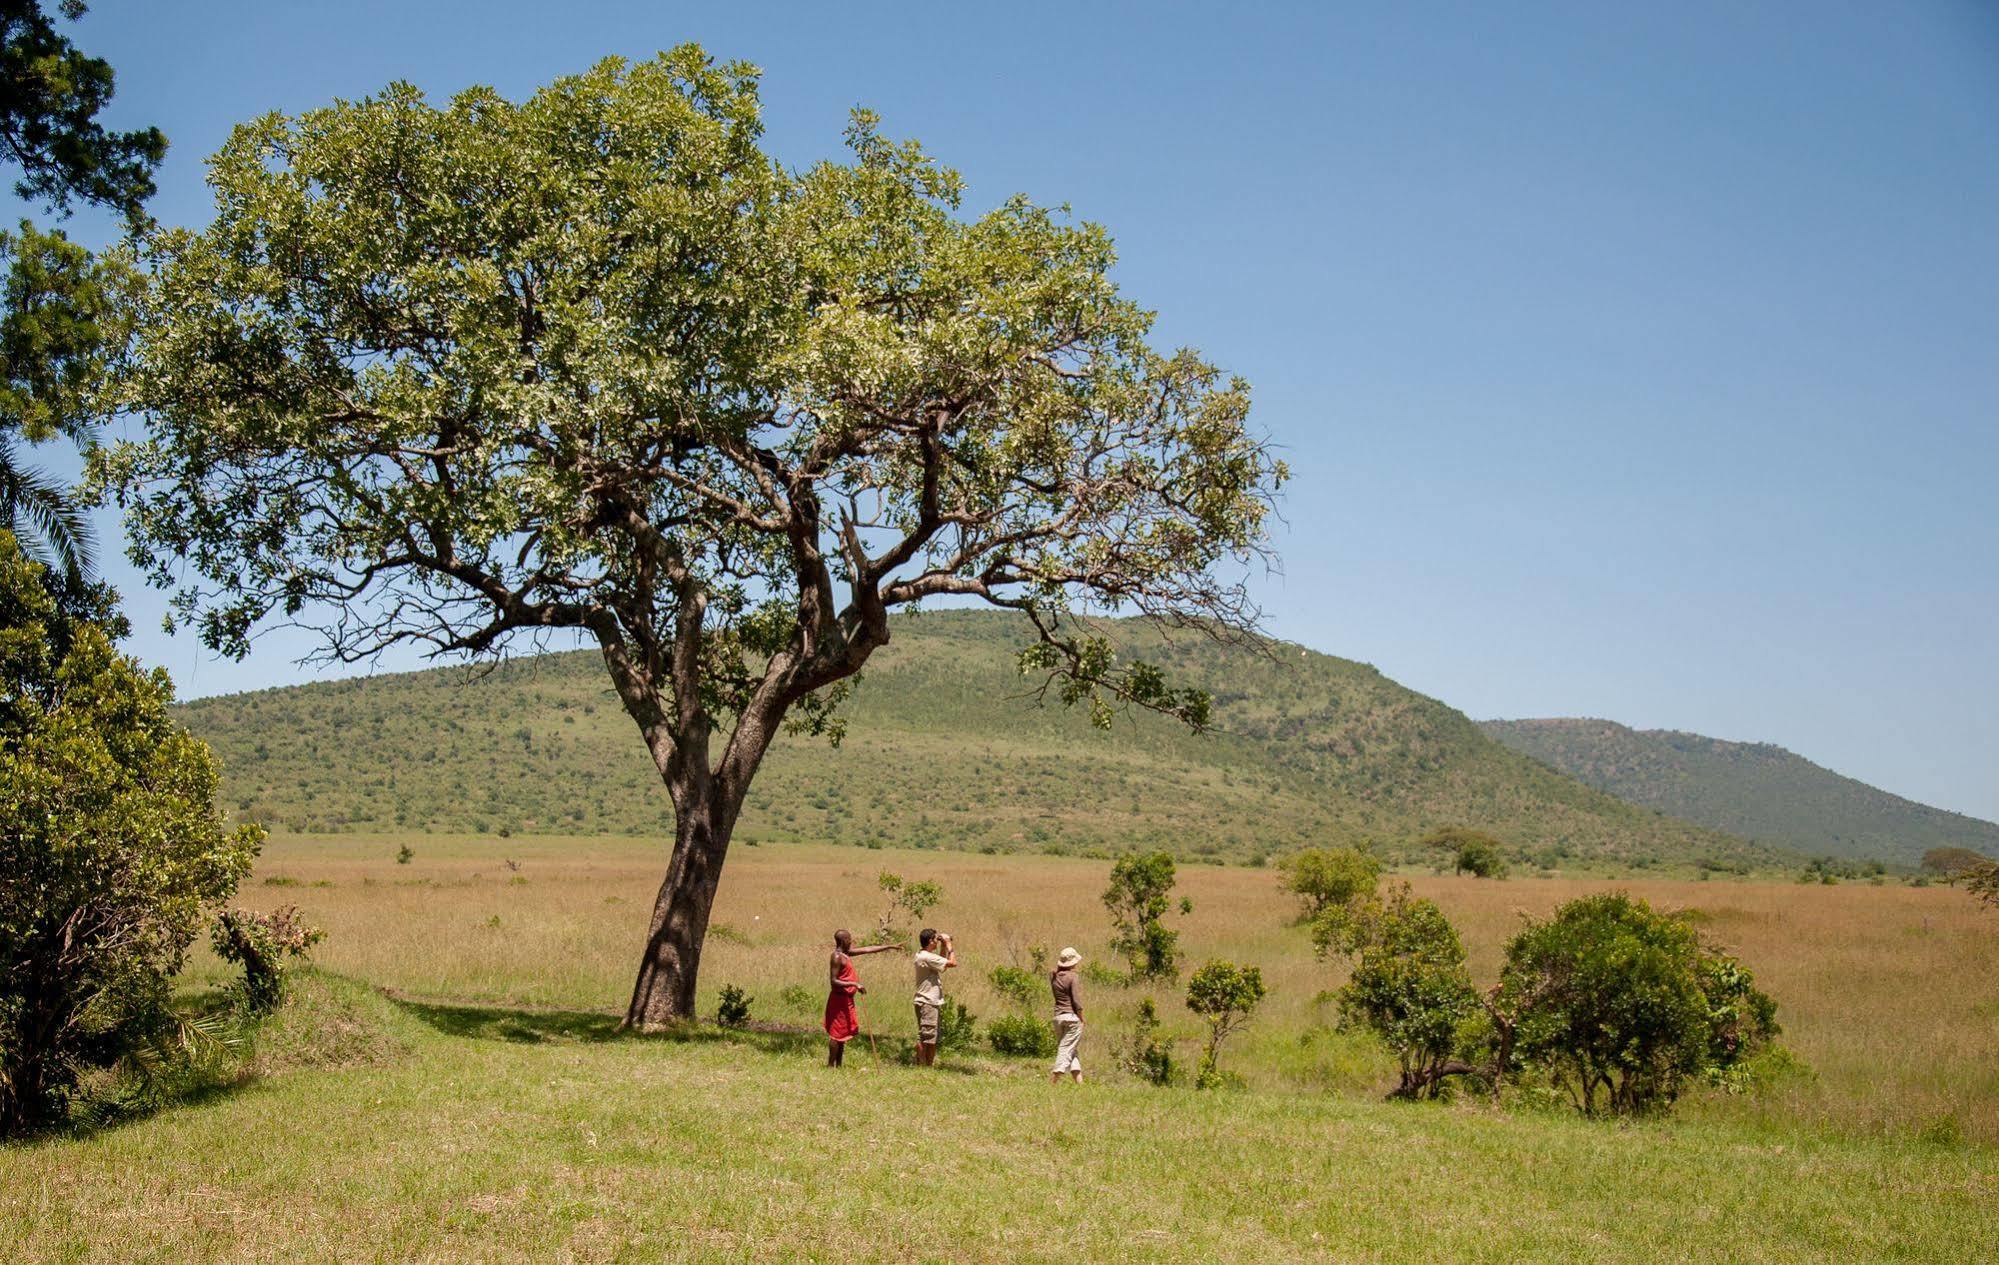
(50, 96)
(450, 376)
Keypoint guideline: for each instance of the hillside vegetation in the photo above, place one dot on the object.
(943, 752)
(1752, 789)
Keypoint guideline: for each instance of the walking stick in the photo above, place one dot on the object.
(861, 1013)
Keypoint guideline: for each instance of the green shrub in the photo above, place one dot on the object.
(1409, 987)
(957, 1027)
(1016, 986)
(1021, 1035)
(733, 1009)
(1138, 899)
(113, 854)
(1140, 1052)
(260, 943)
(1330, 877)
(1224, 995)
(1620, 1005)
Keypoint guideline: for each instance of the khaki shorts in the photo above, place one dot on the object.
(926, 1023)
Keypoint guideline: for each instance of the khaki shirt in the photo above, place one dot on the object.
(930, 977)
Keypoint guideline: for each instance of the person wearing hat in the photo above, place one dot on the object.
(1068, 1017)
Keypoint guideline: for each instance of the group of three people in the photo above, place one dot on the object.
(935, 955)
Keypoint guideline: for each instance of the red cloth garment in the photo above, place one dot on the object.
(842, 1020)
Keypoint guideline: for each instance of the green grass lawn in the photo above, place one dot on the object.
(380, 1131)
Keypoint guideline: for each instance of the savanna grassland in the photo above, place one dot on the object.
(449, 1086)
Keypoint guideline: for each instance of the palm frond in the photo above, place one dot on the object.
(59, 531)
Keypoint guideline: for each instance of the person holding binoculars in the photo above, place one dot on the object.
(930, 967)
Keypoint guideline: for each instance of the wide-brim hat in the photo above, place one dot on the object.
(1069, 957)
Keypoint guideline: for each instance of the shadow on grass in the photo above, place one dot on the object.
(527, 1025)
(533, 1026)
(521, 1026)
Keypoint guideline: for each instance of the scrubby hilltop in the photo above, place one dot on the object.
(1753, 789)
(943, 752)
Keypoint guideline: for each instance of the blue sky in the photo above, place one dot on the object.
(1632, 361)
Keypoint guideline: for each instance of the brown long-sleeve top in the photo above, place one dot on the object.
(1067, 1001)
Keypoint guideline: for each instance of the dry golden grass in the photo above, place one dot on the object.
(1889, 995)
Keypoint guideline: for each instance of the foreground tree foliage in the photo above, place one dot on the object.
(50, 97)
(456, 376)
(1983, 883)
(111, 847)
(1621, 1005)
(61, 308)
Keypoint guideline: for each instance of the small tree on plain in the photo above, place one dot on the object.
(260, 943)
(907, 900)
(1139, 898)
(1324, 878)
(1224, 995)
(1409, 987)
(1952, 864)
(594, 364)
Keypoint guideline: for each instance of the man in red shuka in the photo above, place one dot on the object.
(842, 1019)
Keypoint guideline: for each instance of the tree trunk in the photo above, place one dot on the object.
(668, 971)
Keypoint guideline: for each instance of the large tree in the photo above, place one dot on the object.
(593, 361)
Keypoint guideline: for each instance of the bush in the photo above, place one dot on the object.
(1620, 1005)
(1138, 900)
(111, 847)
(957, 1027)
(1140, 1052)
(733, 1009)
(1326, 878)
(1016, 986)
(260, 943)
(1224, 995)
(1410, 988)
(1021, 1035)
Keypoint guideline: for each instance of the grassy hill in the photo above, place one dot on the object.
(1752, 789)
(942, 753)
